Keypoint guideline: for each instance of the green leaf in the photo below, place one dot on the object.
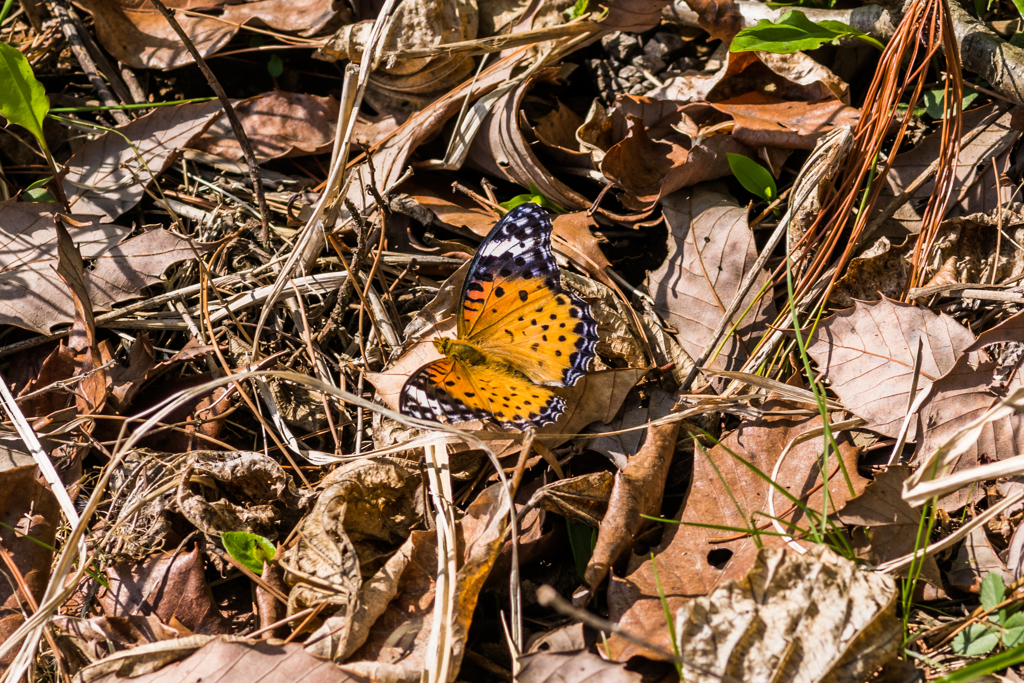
(754, 177)
(577, 10)
(975, 640)
(275, 66)
(22, 98)
(992, 590)
(582, 539)
(1013, 635)
(249, 549)
(933, 101)
(536, 197)
(794, 32)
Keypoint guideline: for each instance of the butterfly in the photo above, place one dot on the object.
(519, 333)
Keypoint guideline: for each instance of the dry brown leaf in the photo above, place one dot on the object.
(814, 617)
(582, 499)
(572, 667)
(411, 83)
(632, 16)
(225, 659)
(974, 187)
(691, 560)
(278, 124)
(762, 121)
(99, 637)
(502, 151)
(962, 395)
(976, 558)
(875, 345)
(638, 491)
(391, 156)
(618, 447)
(732, 74)
(482, 531)
(711, 249)
(108, 175)
(887, 525)
(880, 271)
(720, 18)
(30, 516)
(37, 299)
(137, 35)
(169, 585)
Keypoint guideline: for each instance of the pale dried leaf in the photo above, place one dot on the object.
(572, 667)
(711, 250)
(813, 617)
(225, 659)
(875, 345)
(109, 175)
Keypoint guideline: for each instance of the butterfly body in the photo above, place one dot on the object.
(519, 334)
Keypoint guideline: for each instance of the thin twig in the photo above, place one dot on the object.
(229, 111)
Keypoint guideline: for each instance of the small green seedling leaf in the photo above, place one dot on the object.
(993, 590)
(275, 67)
(582, 539)
(37, 192)
(22, 98)
(754, 177)
(249, 549)
(975, 640)
(794, 32)
(577, 10)
(933, 101)
(536, 197)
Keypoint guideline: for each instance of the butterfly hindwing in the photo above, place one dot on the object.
(513, 305)
(449, 389)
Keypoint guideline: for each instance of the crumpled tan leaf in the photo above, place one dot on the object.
(813, 617)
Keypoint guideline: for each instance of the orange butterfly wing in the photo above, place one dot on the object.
(513, 305)
(450, 389)
(532, 333)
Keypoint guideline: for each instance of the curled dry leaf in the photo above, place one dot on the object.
(108, 175)
(502, 150)
(406, 83)
(366, 509)
(711, 249)
(876, 344)
(693, 560)
(248, 483)
(638, 491)
(720, 18)
(813, 617)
